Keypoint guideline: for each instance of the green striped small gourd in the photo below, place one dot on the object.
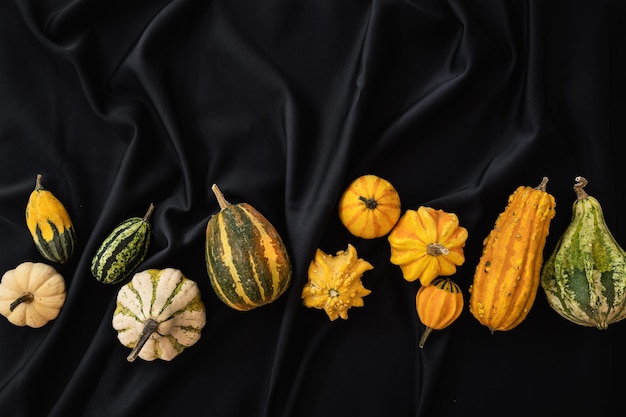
(123, 249)
(50, 225)
(585, 276)
(247, 261)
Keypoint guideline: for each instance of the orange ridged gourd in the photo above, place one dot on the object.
(438, 305)
(507, 276)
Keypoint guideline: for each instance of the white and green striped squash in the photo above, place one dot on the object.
(247, 261)
(123, 249)
(50, 225)
(584, 278)
(158, 314)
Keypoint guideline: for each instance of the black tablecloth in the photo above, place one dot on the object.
(119, 104)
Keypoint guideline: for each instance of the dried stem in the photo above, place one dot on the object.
(27, 297)
(220, 197)
(146, 216)
(149, 327)
(542, 184)
(425, 335)
(38, 185)
(581, 182)
(436, 249)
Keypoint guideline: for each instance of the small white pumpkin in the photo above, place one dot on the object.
(32, 294)
(158, 314)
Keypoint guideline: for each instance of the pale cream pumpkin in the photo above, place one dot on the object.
(32, 294)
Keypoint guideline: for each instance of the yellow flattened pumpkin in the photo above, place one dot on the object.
(427, 243)
(369, 207)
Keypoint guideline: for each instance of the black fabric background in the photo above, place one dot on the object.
(283, 103)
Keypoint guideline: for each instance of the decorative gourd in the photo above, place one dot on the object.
(438, 305)
(335, 282)
(32, 294)
(585, 276)
(50, 225)
(369, 207)
(427, 243)
(506, 279)
(123, 249)
(159, 314)
(246, 259)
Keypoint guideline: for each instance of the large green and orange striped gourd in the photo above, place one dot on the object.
(247, 261)
(507, 276)
(50, 225)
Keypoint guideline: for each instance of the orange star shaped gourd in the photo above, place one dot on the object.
(427, 243)
(335, 282)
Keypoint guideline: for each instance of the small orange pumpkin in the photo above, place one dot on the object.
(369, 207)
(427, 243)
(438, 305)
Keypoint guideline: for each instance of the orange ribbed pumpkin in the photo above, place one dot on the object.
(438, 305)
(369, 207)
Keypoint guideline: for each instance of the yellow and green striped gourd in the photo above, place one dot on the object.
(247, 261)
(50, 225)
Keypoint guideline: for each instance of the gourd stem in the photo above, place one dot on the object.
(370, 203)
(425, 335)
(542, 184)
(27, 297)
(149, 326)
(146, 216)
(38, 185)
(436, 249)
(220, 197)
(581, 182)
